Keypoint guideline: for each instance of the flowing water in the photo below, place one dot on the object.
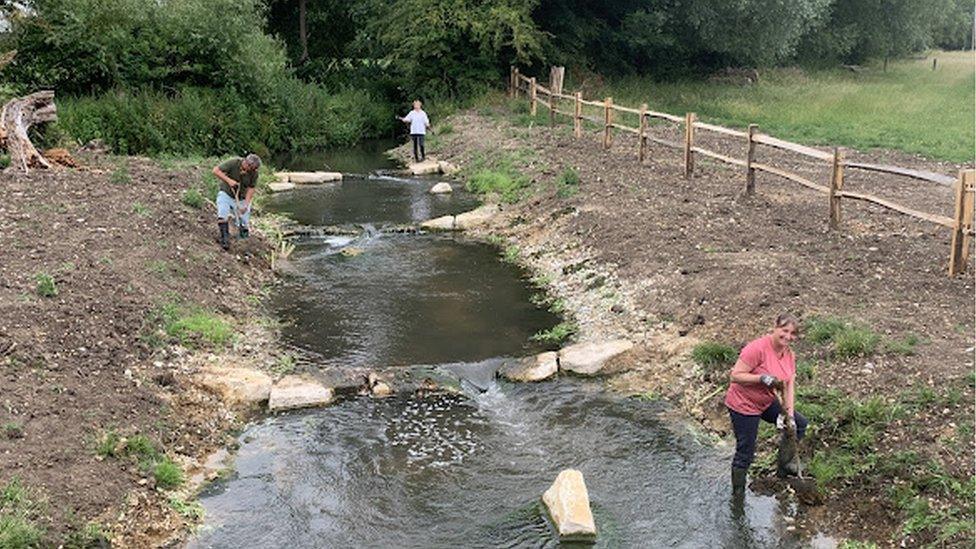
(453, 470)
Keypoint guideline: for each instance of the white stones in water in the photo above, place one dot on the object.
(533, 368)
(236, 386)
(447, 168)
(443, 223)
(476, 217)
(441, 188)
(279, 186)
(590, 358)
(426, 167)
(568, 503)
(308, 177)
(293, 392)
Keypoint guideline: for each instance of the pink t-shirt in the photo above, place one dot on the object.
(759, 355)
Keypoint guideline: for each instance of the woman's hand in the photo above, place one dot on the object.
(771, 382)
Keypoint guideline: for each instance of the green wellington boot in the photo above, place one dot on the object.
(738, 482)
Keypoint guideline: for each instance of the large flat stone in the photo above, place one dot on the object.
(568, 503)
(293, 392)
(589, 358)
(533, 368)
(309, 177)
(443, 223)
(477, 217)
(280, 186)
(427, 167)
(447, 168)
(236, 386)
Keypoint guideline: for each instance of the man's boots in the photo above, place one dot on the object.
(738, 482)
(242, 232)
(224, 235)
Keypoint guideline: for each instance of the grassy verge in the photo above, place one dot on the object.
(909, 108)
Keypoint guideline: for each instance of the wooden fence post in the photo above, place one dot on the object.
(515, 80)
(836, 185)
(689, 143)
(750, 158)
(552, 109)
(511, 81)
(556, 75)
(532, 92)
(959, 251)
(578, 116)
(642, 133)
(607, 121)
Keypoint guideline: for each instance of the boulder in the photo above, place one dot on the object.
(309, 177)
(443, 223)
(568, 503)
(441, 188)
(293, 392)
(589, 358)
(447, 168)
(381, 389)
(426, 167)
(533, 368)
(236, 386)
(479, 216)
(279, 186)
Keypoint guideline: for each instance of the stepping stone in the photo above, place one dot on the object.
(236, 386)
(293, 392)
(441, 188)
(568, 503)
(533, 368)
(589, 358)
(443, 223)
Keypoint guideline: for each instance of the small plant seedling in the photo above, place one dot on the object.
(46, 285)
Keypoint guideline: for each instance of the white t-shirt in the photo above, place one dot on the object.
(418, 122)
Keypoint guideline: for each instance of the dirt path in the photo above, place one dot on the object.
(120, 248)
(669, 262)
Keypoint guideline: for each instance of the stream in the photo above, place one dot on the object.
(452, 470)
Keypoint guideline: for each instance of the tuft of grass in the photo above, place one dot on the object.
(107, 445)
(508, 187)
(192, 326)
(284, 365)
(4, 161)
(557, 334)
(512, 254)
(905, 346)
(193, 198)
(46, 285)
(444, 129)
(120, 175)
(88, 537)
(855, 341)
(190, 510)
(167, 474)
(567, 183)
(141, 210)
(710, 354)
(823, 329)
(12, 430)
(18, 513)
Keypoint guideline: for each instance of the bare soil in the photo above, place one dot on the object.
(78, 364)
(641, 251)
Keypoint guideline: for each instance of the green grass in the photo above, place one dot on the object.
(4, 161)
(511, 254)
(191, 510)
(710, 354)
(193, 198)
(905, 346)
(167, 474)
(910, 108)
(13, 430)
(141, 209)
(89, 536)
(18, 513)
(508, 187)
(846, 339)
(567, 183)
(46, 285)
(120, 175)
(557, 334)
(192, 326)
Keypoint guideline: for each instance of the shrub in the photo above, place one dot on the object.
(46, 285)
(193, 198)
(557, 334)
(710, 354)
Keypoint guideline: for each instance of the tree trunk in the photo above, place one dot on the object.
(17, 116)
(302, 32)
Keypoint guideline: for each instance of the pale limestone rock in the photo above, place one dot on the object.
(293, 392)
(533, 368)
(441, 188)
(309, 177)
(236, 386)
(381, 389)
(280, 186)
(589, 358)
(443, 223)
(447, 168)
(477, 217)
(426, 167)
(569, 506)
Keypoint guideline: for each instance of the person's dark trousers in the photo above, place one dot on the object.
(746, 429)
(418, 147)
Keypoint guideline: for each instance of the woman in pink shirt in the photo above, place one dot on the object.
(765, 364)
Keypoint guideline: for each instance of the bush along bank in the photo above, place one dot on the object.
(630, 250)
(106, 424)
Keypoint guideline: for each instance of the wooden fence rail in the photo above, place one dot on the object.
(961, 223)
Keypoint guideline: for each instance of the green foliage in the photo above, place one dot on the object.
(846, 339)
(167, 474)
(141, 209)
(12, 429)
(823, 329)
(4, 161)
(710, 354)
(567, 183)
(557, 334)
(905, 346)
(191, 325)
(512, 254)
(18, 514)
(88, 537)
(507, 187)
(854, 544)
(193, 198)
(107, 444)
(190, 510)
(120, 175)
(46, 285)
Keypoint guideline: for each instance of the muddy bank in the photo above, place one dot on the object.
(114, 295)
(637, 251)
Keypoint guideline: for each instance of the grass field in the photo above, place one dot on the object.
(910, 108)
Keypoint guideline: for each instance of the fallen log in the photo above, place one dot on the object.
(17, 116)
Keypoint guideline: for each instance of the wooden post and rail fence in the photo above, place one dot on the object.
(961, 222)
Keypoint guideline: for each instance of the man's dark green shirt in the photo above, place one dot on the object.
(232, 168)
